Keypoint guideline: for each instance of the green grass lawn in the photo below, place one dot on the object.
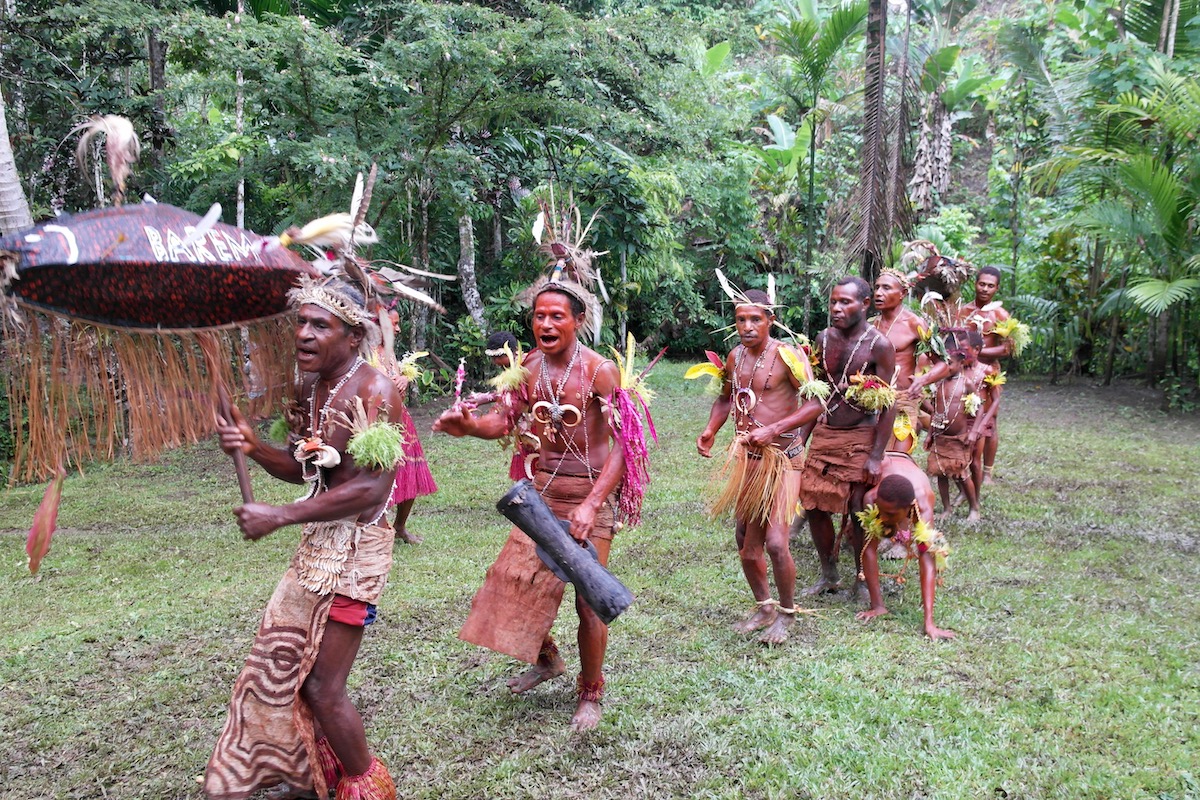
(1074, 675)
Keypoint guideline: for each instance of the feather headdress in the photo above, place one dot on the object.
(121, 149)
(935, 272)
(905, 279)
(333, 239)
(561, 237)
(354, 287)
(739, 298)
(937, 280)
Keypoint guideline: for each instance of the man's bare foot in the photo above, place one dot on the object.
(587, 716)
(538, 673)
(777, 631)
(761, 618)
(823, 586)
(936, 633)
(870, 614)
(945, 515)
(409, 538)
(973, 516)
(987, 477)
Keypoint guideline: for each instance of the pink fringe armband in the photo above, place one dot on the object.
(631, 435)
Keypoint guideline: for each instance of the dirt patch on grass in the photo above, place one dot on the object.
(1076, 401)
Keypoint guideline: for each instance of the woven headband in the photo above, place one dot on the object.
(323, 295)
(905, 281)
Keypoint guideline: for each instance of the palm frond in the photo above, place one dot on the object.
(1153, 184)
(1156, 295)
(1036, 309)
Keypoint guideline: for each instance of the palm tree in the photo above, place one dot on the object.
(871, 199)
(811, 45)
(14, 209)
(950, 86)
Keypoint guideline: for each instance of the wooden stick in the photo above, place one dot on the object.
(210, 347)
(239, 458)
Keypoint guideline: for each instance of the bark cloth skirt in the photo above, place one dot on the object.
(514, 610)
(268, 737)
(835, 460)
(949, 456)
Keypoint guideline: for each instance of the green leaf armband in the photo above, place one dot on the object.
(279, 430)
(379, 446)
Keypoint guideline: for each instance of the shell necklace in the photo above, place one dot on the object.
(744, 398)
(552, 412)
(313, 450)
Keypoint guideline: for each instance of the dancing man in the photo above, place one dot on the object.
(759, 389)
(291, 724)
(845, 451)
(580, 472)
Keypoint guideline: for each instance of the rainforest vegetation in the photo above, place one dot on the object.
(807, 139)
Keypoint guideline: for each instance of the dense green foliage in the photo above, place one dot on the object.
(1055, 140)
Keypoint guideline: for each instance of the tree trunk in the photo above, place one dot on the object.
(14, 208)
(466, 272)
(869, 239)
(623, 309)
(1114, 329)
(920, 188)
(1053, 351)
(943, 149)
(240, 105)
(497, 234)
(896, 181)
(420, 334)
(156, 51)
(1162, 339)
(1086, 348)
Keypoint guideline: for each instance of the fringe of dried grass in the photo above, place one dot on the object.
(749, 486)
(80, 393)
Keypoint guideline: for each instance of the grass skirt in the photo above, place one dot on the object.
(757, 485)
(413, 478)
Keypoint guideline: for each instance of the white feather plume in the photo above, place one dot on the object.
(539, 226)
(121, 148)
(203, 226)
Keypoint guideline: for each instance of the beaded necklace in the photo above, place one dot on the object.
(552, 412)
(570, 448)
(942, 419)
(897, 318)
(844, 381)
(316, 424)
(744, 398)
(939, 421)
